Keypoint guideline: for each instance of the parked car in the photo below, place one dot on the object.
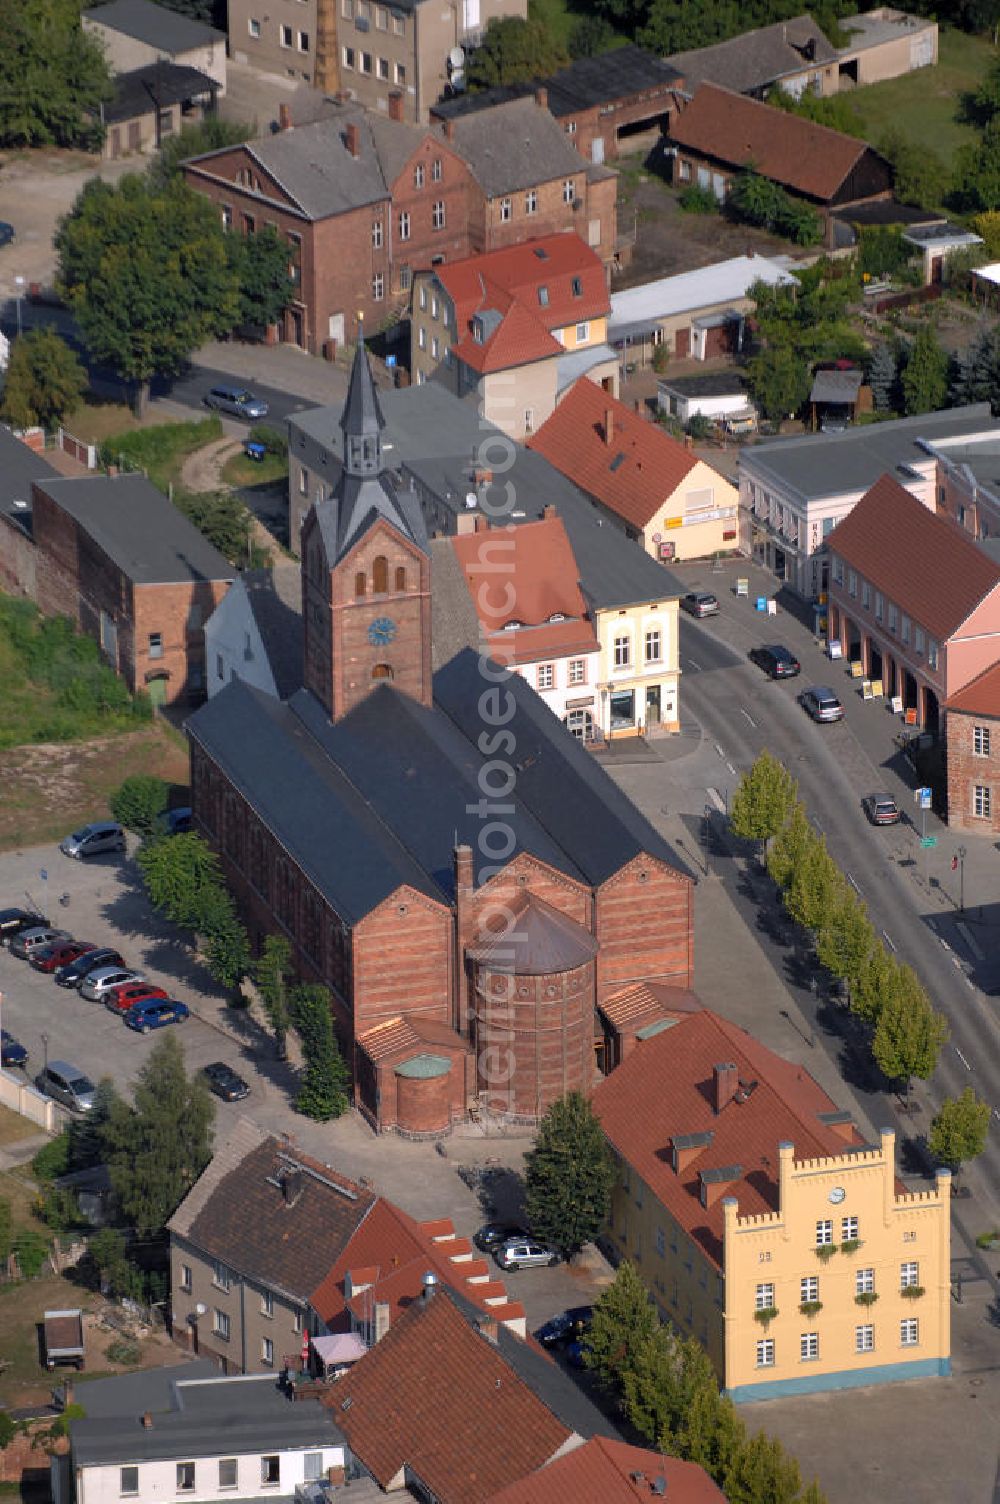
(525, 1253)
(50, 957)
(156, 1013)
(776, 661)
(176, 822)
(236, 400)
(27, 942)
(493, 1234)
(700, 603)
(73, 974)
(566, 1327)
(94, 840)
(225, 1082)
(66, 1084)
(121, 999)
(11, 1051)
(821, 703)
(881, 809)
(13, 921)
(104, 978)
(7, 233)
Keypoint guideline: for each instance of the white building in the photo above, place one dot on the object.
(255, 633)
(188, 1433)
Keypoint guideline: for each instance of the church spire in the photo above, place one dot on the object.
(362, 421)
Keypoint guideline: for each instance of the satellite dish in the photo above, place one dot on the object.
(456, 57)
(458, 81)
(471, 499)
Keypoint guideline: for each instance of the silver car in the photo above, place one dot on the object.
(67, 1084)
(821, 703)
(98, 983)
(236, 400)
(524, 1253)
(28, 941)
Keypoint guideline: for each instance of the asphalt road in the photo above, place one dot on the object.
(742, 712)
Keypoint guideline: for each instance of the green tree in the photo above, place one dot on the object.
(909, 1034)
(209, 134)
(959, 1128)
(569, 1176)
(846, 939)
(272, 974)
(764, 800)
(323, 1092)
(53, 76)
(108, 1255)
(44, 383)
(790, 846)
(145, 270)
(876, 979)
(6, 1229)
(712, 1434)
(883, 375)
(157, 1149)
(624, 1321)
(223, 519)
(779, 381)
(919, 175)
(138, 803)
(180, 876)
(260, 262)
(589, 36)
(763, 1470)
(224, 938)
(925, 375)
(85, 1135)
(756, 199)
(979, 373)
(986, 99)
(515, 51)
(816, 887)
(976, 172)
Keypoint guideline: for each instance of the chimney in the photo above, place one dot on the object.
(548, 510)
(284, 117)
(481, 476)
(542, 98)
(429, 1286)
(382, 1309)
(352, 138)
(609, 425)
(637, 404)
(488, 1329)
(449, 129)
(69, 1393)
(291, 1185)
(481, 524)
(395, 105)
(725, 1081)
(463, 869)
(147, 1420)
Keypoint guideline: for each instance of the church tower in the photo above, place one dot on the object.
(366, 602)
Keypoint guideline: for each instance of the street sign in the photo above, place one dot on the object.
(928, 841)
(923, 798)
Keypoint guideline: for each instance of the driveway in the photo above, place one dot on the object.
(37, 188)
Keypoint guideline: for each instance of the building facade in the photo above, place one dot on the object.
(138, 33)
(972, 740)
(764, 1226)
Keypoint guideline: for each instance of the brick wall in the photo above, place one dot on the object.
(178, 613)
(17, 560)
(968, 770)
(644, 922)
(402, 961)
(455, 189)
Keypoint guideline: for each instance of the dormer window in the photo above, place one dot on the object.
(478, 332)
(512, 626)
(577, 287)
(557, 616)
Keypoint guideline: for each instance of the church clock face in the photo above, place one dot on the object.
(381, 631)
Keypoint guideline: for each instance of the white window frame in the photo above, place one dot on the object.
(187, 1277)
(909, 1331)
(267, 1351)
(864, 1282)
(378, 234)
(531, 201)
(404, 224)
(824, 1233)
(656, 654)
(569, 190)
(765, 1353)
(808, 1288)
(181, 1472)
(577, 672)
(809, 1347)
(763, 1297)
(622, 651)
(506, 210)
(546, 676)
(419, 175)
(221, 1277)
(980, 741)
(909, 1274)
(439, 218)
(848, 1229)
(253, 27)
(221, 1324)
(864, 1338)
(982, 801)
(286, 36)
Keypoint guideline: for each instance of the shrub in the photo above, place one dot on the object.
(58, 1208)
(700, 427)
(8, 1430)
(52, 1160)
(696, 200)
(138, 803)
(122, 1351)
(31, 1249)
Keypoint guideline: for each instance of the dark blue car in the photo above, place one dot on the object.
(156, 1013)
(11, 1051)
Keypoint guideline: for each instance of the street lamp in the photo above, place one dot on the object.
(958, 860)
(45, 1047)
(19, 284)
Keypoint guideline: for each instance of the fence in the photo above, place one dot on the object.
(69, 444)
(906, 299)
(29, 1103)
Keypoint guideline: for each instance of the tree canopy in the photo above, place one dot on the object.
(260, 263)
(764, 799)
(925, 375)
(145, 270)
(568, 1176)
(515, 51)
(958, 1131)
(53, 76)
(45, 381)
(190, 141)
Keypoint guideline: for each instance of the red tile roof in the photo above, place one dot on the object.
(981, 696)
(921, 561)
(808, 158)
(436, 1397)
(509, 281)
(391, 1253)
(603, 1471)
(633, 473)
(643, 1000)
(538, 562)
(665, 1087)
(402, 1036)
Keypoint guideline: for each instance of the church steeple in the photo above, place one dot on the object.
(361, 421)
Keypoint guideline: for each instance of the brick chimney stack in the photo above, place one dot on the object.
(449, 130)
(147, 1420)
(352, 138)
(284, 117)
(609, 425)
(725, 1082)
(548, 510)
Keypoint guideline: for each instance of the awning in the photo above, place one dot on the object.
(339, 1347)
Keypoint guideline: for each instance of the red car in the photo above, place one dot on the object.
(61, 953)
(120, 999)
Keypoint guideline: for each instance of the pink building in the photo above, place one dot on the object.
(913, 598)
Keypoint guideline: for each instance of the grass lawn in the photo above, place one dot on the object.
(96, 421)
(161, 450)
(13, 1127)
(926, 106)
(241, 471)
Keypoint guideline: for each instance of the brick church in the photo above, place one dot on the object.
(495, 920)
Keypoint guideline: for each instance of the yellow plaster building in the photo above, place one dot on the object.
(761, 1222)
(638, 667)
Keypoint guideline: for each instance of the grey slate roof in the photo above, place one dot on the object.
(514, 146)
(155, 25)
(752, 61)
(139, 529)
(19, 466)
(362, 413)
(711, 384)
(836, 386)
(201, 1416)
(242, 1140)
(454, 623)
(275, 600)
(606, 79)
(540, 941)
(829, 464)
(145, 90)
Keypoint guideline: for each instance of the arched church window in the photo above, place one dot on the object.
(400, 579)
(380, 575)
(360, 583)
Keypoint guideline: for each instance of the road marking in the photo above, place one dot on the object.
(695, 666)
(720, 751)
(944, 942)
(970, 939)
(716, 799)
(731, 768)
(886, 937)
(854, 885)
(816, 823)
(748, 717)
(961, 1057)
